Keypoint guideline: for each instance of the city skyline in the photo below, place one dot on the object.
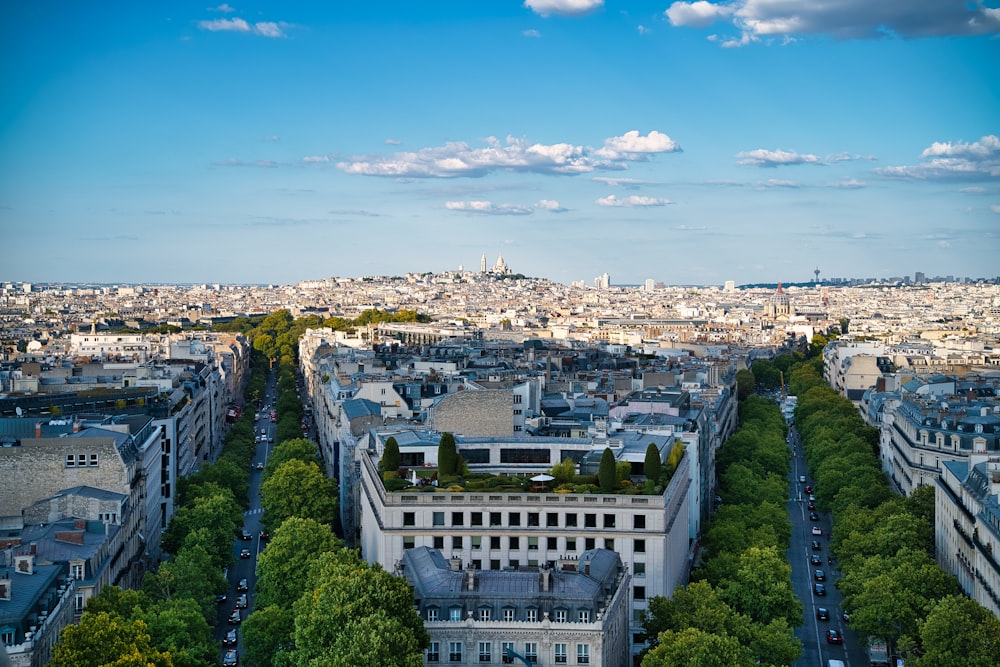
(687, 142)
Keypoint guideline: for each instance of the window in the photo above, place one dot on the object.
(515, 542)
(409, 542)
(560, 615)
(454, 651)
(495, 519)
(533, 519)
(7, 637)
(409, 518)
(639, 522)
(639, 592)
(484, 613)
(531, 652)
(457, 518)
(455, 614)
(79, 602)
(76, 570)
(584, 616)
(438, 518)
(639, 546)
(560, 654)
(531, 615)
(639, 569)
(433, 652)
(70, 460)
(532, 542)
(495, 564)
(477, 542)
(476, 519)
(571, 521)
(514, 519)
(570, 544)
(518, 399)
(590, 521)
(456, 543)
(506, 648)
(551, 519)
(609, 520)
(588, 543)
(485, 652)
(508, 614)
(552, 543)
(93, 460)
(494, 541)
(583, 654)
(432, 613)
(438, 542)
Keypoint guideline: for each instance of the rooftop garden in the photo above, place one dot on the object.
(452, 474)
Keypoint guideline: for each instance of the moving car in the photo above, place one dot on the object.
(242, 586)
(221, 597)
(264, 536)
(815, 545)
(809, 489)
(244, 553)
(822, 614)
(816, 530)
(230, 638)
(811, 506)
(802, 479)
(815, 559)
(231, 659)
(235, 618)
(241, 601)
(260, 465)
(813, 516)
(819, 575)
(834, 637)
(819, 589)
(246, 535)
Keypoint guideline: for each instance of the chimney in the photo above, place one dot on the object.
(38, 429)
(77, 425)
(470, 580)
(993, 470)
(546, 581)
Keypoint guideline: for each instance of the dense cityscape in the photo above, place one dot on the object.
(188, 442)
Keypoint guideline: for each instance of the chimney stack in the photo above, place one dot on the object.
(470, 580)
(38, 429)
(546, 581)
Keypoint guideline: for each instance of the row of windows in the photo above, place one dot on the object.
(82, 460)
(507, 614)
(533, 520)
(560, 652)
(513, 542)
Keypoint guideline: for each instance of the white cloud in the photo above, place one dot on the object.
(779, 183)
(563, 7)
(697, 14)
(979, 160)
(549, 205)
(234, 162)
(632, 201)
(995, 208)
(842, 19)
(225, 8)
(762, 157)
(456, 159)
(263, 28)
(643, 30)
(315, 159)
(634, 146)
(849, 184)
(973, 190)
(487, 208)
(531, 33)
(614, 182)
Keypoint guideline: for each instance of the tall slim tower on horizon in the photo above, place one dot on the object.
(816, 273)
(482, 264)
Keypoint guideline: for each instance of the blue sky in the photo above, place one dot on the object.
(689, 142)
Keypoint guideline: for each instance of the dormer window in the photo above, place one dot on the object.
(455, 614)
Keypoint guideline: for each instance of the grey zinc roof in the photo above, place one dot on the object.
(360, 407)
(26, 590)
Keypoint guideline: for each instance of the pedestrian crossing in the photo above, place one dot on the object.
(253, 511)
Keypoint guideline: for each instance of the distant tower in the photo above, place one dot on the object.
(816, 273)
(482, 264)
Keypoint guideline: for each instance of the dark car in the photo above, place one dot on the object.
(815, 545)
(834, 637)
(260, 465)
(235, 618)
(819, 575)
(241, 601)
(823, 614)
(231, 659)
(242, 586)
(819, 589)
(811, 505)
(220, 598)
(809, 489)
(813, 516)
(845, 617)
(230, 638)
(264, 536)
(815, 559)
(244, 553)
(246, 535)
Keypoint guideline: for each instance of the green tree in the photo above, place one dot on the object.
(298, 489)
(607, 476)
(958, 631)
(761, 587)
(190, 575)
(300, 449)
(121, 601)
(447, 455)
(696, 648)
(104, 639)
(178, 628)
(745, 384)
(564, 472)
(390, 457)
(652, 466)
(283, 567)
(267, 636)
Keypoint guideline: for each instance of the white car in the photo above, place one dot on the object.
(802, 479)
(817, 530)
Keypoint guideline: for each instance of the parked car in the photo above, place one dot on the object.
(819, 575)
(230, 638)
(834, 637)
(815, 559)
(242, 586)
(220, 598)
(231, 659)
(819, 589)
(822, 614)
(235, 618)
(816, 530)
